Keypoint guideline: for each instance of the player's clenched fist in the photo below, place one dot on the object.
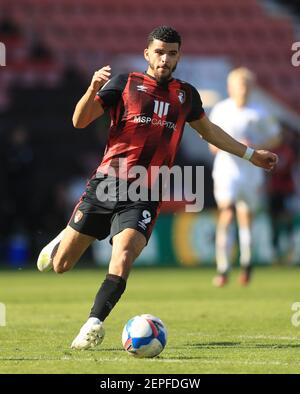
(264, 159)
(100, 77)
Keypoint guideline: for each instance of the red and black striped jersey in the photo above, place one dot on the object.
(147, 120)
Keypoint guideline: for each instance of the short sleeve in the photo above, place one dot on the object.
(111, 92)
(197, 111)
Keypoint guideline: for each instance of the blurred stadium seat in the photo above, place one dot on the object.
(241, 30)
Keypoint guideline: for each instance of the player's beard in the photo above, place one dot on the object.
(160, 78)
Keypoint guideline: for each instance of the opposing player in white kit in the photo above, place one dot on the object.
(237, 183)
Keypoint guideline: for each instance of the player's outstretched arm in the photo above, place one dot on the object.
(87, 109)
(218, 137)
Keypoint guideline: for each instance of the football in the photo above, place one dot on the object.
(144, 336)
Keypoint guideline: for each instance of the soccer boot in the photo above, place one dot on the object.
(90, 335)
(220, 280)
(45, 259)
(245, 276)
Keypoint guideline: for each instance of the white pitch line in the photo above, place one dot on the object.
(245, 336)
(268, 337)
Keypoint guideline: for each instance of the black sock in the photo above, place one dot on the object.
(108, 295)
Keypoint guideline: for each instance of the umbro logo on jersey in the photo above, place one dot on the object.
(161, 108)
(142, 88)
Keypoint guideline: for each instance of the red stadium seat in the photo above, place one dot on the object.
(239, 29)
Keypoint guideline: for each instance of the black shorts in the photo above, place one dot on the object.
(101, 219)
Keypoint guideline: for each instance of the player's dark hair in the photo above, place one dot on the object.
(165, 34)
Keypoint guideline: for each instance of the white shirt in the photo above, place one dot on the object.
(250, 124)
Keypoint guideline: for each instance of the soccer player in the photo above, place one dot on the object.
(148, 113)
(238, 184)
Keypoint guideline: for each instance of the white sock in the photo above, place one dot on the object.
(223, 249)
(245, 246)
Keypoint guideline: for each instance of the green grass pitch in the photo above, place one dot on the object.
(229, 330)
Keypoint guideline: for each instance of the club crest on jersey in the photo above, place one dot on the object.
(181, 96)
(78, 216)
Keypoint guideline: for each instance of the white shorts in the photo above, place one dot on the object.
(230, 191)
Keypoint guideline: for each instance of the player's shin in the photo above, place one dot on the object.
(108, 295)
(92, 332)
(223, 249)
(245, 246)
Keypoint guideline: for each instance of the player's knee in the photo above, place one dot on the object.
(58, 269)
(226, 216)
(61, 265)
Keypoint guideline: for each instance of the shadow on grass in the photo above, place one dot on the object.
(242, 345)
